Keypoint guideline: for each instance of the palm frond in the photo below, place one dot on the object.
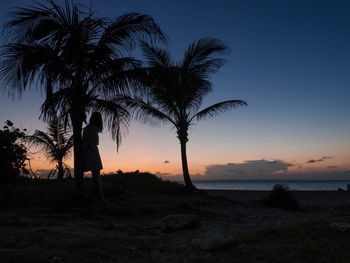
(115, 115)
(56, 143)
(116, 76)
(20, 65)
(195, 89)
(44, 142)
(66, 148)
(30, 24)
(218, 108)
(36, 23)
(123, 33)
(200, 52)
(30, 64)
(60, 101)
(156, 56)
(144, 111)
(204, 69)
(163, 89)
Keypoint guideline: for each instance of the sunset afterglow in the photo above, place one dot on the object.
(289, 61)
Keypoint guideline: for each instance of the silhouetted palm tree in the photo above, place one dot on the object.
(80, 60)
(56, 144)
(176, 90)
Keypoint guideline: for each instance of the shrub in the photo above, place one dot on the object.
(13, 154)
(281, 197)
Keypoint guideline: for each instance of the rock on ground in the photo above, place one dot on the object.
(212, 241)
(176, 222)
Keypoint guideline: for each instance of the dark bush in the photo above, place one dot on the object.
(281, 197)
(13, 154)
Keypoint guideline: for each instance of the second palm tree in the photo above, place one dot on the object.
(56, 144)
(176, 90)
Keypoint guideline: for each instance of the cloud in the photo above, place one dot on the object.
(248, 170)
(311, 161)
(320, 160)
(166, 161)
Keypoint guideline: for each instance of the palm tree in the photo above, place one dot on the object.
(176, 90)
(79, 60)
(56, 144)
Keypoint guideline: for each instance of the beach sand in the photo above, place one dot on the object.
(131, 226)
(324, 199)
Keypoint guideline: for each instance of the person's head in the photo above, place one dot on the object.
(96, 120)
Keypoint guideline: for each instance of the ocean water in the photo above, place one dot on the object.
(268, 185)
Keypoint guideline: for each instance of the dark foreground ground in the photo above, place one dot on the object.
(40, 223)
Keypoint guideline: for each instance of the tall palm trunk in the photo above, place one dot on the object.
(77, 124)
(60, 170)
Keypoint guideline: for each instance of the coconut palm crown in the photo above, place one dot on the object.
(176, 90)
(56, 144)
(79, 60)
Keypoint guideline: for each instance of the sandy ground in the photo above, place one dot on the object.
(130, 226)
(325, 199)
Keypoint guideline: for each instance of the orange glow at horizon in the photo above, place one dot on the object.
(147, 164)
(158, 151)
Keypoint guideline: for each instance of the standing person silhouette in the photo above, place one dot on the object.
(91, 155)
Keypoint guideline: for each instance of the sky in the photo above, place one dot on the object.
(290, 60)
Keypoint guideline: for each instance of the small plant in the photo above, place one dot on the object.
(281, 197)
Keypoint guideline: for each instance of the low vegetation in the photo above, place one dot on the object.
(13, 154)
(140, 181)
(27, 191)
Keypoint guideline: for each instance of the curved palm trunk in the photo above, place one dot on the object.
(186, 174)
(182, 135)
(78, 158)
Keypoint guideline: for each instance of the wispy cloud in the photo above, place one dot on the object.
(320, 160)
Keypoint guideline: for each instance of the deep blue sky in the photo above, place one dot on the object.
(290, 60)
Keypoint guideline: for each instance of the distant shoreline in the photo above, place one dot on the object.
(269, 180)
(265, 185)
(314, 198)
